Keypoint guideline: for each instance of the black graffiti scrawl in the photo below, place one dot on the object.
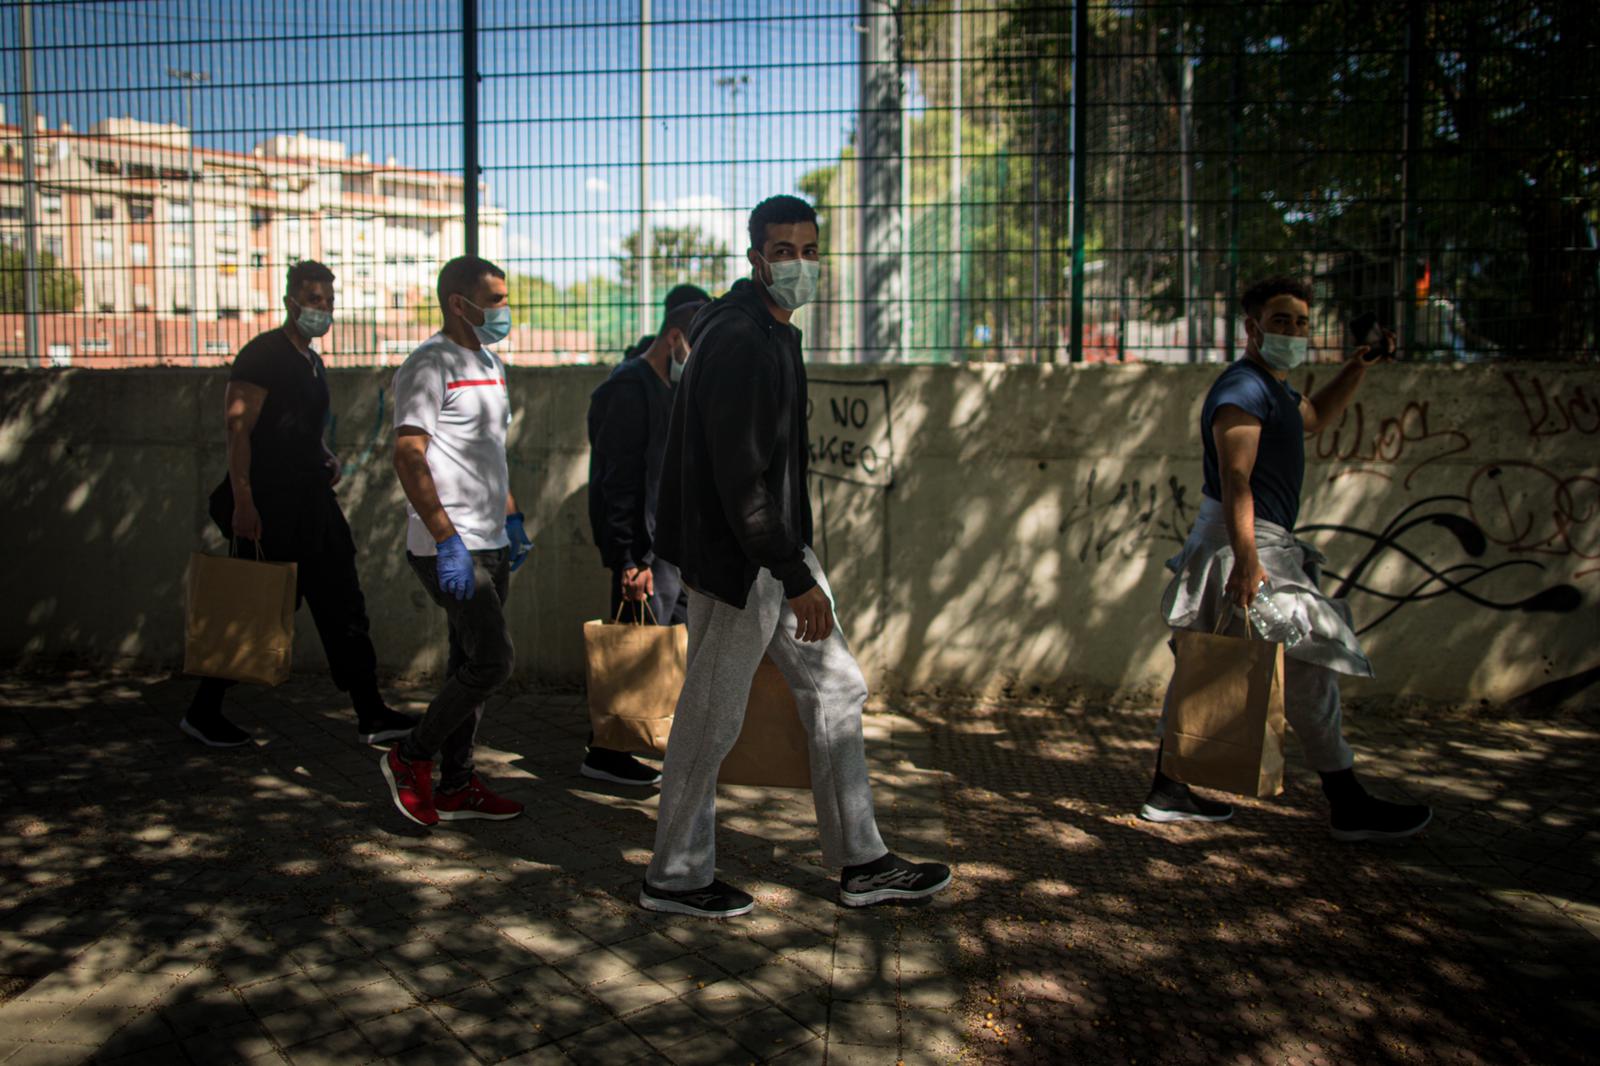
(1423, 580)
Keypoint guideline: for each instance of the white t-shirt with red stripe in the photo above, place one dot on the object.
(458, 397)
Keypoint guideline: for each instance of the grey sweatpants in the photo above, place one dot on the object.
(725, 647)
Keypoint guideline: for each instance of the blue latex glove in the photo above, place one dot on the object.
(520, 544)
(455, 568)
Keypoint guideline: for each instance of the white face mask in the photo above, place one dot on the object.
(312, 322)
(1283, 352)
(794, 281)
(675, 371)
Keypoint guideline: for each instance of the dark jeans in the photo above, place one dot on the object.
(328, 583)
(670, 604)
(480, 661)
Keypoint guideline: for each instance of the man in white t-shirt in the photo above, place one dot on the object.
(464, 535)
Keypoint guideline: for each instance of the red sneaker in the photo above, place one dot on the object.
(410, 786)
(475, 801)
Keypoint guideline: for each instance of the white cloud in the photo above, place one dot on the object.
(597, 185)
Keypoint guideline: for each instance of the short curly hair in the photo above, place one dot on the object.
(1257, 295)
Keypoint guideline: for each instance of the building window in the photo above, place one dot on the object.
(179, 254)
(259, 218)
(141, 210)
(178, 211)
(141, 297)
(139, 252)
(258, 259)
(107, 307)
(105, 212)
(10, 240)
(12, 213)
(227, 218)
(50, 203)
(53, 248)
(103, 251)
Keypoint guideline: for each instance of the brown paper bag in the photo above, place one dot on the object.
(772, 749)
(239, 621)
(635, 673)
(1224, 725)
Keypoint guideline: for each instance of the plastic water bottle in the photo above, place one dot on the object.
(1272, 622)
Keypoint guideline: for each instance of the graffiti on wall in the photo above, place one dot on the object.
(1497, 515)
(1119, 517)
(1416, 578)
(849, 433)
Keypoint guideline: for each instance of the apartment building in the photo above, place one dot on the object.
(153, 242)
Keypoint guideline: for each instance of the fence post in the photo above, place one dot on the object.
(1080, 142)
(32, 354)
(1409, 160)
(1235, 88)
(469, 124)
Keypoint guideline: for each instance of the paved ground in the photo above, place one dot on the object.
(166, 903)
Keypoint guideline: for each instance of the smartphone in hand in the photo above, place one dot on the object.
(1366, 329)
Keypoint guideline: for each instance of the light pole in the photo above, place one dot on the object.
(190, 79)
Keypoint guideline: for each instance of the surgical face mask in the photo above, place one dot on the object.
(794, 281)
(312, 322)
(496, 323)
(1283, 352)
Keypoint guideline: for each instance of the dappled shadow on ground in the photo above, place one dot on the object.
(1090, 936)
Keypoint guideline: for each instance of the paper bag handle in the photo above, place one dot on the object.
(640, 618)
(1222, 619)
(233, 548)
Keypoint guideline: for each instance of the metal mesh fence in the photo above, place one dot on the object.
(1003, 180)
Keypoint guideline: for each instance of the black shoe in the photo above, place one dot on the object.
(1376, 819)
(890, 877)
(716, 900)
(618, 767)
(383, 725)
(212, 729)
(1174, 801)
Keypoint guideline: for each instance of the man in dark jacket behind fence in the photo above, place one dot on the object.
(735, 517)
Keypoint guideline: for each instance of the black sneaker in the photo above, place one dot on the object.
(384, 725)
(1376, 819)
(618, 767)
(1174, 801)
(716, 900)
(890, 877)
(213, 730)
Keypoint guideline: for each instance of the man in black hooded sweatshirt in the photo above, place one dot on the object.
(735, 517)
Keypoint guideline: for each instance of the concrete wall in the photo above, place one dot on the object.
(987, 529)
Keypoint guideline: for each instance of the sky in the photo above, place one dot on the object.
(559, 97)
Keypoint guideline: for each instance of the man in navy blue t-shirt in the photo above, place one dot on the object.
(1252, 431)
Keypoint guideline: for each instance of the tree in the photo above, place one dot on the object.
(679, 254)
(59, 288)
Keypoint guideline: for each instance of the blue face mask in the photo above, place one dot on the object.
(496, 323)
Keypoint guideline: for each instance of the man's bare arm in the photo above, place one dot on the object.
(411, 465)
(1238, 437)
(1329, 403)
(241, 408)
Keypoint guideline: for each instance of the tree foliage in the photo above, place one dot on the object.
(59, 287)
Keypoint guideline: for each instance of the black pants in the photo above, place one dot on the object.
(670, 604)
(481, 657)
(325, 560)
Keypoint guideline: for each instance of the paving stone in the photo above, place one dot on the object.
(602, 1045)
(851, 1022)
(394, 1033)
(239, 1042)
(707, 1049)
